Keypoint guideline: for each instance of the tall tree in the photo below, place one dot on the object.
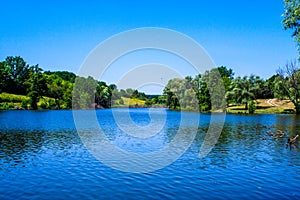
(4, 76)
(202, 93)
(19, 73)
(103, 95)
(84, 93)
(36, 85)
(242, 90)
(292, 18)
(216, 88)
(227, 76)
(288, 84)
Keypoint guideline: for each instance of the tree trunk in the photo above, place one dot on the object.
(297, 108)
(246, 106)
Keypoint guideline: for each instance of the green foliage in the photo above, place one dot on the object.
(243, 90)
(84, 93)
(25, 104)
(5, 97)
(67, 76)
(251, 107)
(54, 90)
(291, 19)
(180, 94)
(36, 85)
(287, 84)
(227, 76)
(4, 76)
(202, 93)
(6, 106)
(121, 101)
(18, 73)
(216, 88)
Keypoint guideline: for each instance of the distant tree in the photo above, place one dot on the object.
(180, 94)
(113, 87)
(292, 18)
(36, 85)
(242, 90)
(18, 74)
(65, 75)
(84, 92)
(269, 87)
(202, 93)
(216, 88)
(103, 94)
(227, 76)
(4, 76)
(288, 84)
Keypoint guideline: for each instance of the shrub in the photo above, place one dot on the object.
(251, 107)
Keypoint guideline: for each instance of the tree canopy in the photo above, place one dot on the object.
(291, 19)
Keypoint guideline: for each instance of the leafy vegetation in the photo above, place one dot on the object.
(291, 19)
(29, 87)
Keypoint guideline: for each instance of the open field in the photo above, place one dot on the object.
(266, 106)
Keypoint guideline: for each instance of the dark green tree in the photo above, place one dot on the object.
(18, 74)
(84, 93)
(202, 93)
(65, 75)
(227, 76)
(36, 85)
(242, 90)
(291, 18)
(288, 84)
(103, 95)
(4, 77)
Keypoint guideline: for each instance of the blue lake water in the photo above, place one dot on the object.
(43, 157)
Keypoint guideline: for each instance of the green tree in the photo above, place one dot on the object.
(202, 93)
(84, 92)
(36, 85)
(4, 76)
(269, 87)
(288, 84)
(180, 94)
(104, 94)
(65, 75)
(242, 90)
(18, 74)
(291, 19)
(227, 76)
(216, 88)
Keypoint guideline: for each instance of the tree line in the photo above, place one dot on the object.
(214, 91)
(217, 89)
(55, 90)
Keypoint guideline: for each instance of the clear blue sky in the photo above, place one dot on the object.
(246, 36)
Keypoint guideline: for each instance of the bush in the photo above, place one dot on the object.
(24, 104)
(44, 104)
(7, 106)
(121, 101)
(251, 107)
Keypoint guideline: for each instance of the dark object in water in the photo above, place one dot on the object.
(277, 133)
(292, 142)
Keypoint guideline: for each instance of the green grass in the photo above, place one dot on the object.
(128, 102)
(284, 106)
(12, 101)
(13, 98)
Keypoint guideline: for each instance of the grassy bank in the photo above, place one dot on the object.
(265, 106)
(14, 101)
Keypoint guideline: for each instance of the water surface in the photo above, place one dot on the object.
(42, 157)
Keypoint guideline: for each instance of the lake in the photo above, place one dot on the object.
(43, 157)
